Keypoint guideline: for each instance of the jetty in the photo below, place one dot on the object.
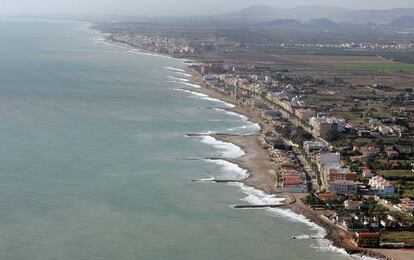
(248, 206)
(216, 181)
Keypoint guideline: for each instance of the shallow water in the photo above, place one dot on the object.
(91, 138)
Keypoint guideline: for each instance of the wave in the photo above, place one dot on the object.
(243, 117)
(192, 85)
(230, 171)
(183, 74)
(258, 197)
(204, 96)
(174, 69)
(252, 128)
(178, 79)
(206, 179)
(227, 150)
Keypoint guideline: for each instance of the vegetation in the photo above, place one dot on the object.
(382, 67)
(397, 236)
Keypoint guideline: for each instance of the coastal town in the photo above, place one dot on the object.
(342, 148)
(363, 188)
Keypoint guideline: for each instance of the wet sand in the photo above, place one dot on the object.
(261, 170)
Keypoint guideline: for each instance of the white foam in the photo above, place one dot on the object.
(230, 170)
(206, 179)
(363, 257)
(192, 85)
(178, 79)
(184, 74)
(252, 128)
(227, 150)
(243, 117)
(302, 237)
(204, 96)
(175, 69)
(258, 197)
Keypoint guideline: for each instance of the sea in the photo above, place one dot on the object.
(96, 161)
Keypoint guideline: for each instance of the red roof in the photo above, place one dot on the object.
(367, 171)
(291, 180)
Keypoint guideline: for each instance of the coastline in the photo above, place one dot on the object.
(261, 174)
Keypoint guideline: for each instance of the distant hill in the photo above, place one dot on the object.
(282, 23)
(403, 22)
(322, 23)
(305, 13)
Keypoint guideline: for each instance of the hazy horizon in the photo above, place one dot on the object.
(172, 7)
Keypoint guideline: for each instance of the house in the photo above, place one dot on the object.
(328, 197)
(343, 187)
(367, 173)
(385, 130)
(381, 186)
(339, 174)
(315, 146)
(407, 205)
(352, 205)
(393, 154)
(305, 114)
(368, 151)
(368, 239)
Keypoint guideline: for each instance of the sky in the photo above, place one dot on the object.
(171, 7)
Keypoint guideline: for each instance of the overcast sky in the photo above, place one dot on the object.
(171, 7)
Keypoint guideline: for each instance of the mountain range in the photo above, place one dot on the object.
(261, 13)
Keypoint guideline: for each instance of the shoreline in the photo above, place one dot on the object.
(256, 178)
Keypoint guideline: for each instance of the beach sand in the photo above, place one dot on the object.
(261, 170)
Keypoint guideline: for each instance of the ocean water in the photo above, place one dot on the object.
(92, 159)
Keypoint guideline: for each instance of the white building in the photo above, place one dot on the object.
(343, 187)
(381, 186)
(328, 160)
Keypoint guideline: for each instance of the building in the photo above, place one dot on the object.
(343, 187)
(328, 197)
(339, 174)
(327, 128)
(294, 184)
(368, 239)
(352, 205)
(212, 69)
(305, 114)
(368, 151)
(385, 130)
(407, 205)
(381, 186)
(367, 173)
(328, 160)
(315, 146)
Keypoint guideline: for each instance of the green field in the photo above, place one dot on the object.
(396, 173)
(385, 67)
(398, 236)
